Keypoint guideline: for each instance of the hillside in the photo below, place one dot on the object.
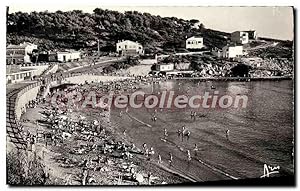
(79, 30)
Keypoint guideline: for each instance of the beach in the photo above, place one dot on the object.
(216, 158)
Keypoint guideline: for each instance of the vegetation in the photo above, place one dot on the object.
(78, 30)
(130, 61)
(22, 170)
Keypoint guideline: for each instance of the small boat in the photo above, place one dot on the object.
(212, 87)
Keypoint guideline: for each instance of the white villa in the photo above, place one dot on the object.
(232, 51)
(194, 43)
(129, 47)
(19, 54)
(67, 56)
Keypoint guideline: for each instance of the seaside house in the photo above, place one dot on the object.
(68, 56)
(19, 54)
(14, 74)
(129, 48)
(232, 51)
(240, 37)
(194, 43)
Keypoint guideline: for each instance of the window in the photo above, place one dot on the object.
(140, 47)
(199, 42)
(18, 76)
(189, 42)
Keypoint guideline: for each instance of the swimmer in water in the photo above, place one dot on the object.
(227, 134)
(188, 133)
(195, 149)
(179, 133)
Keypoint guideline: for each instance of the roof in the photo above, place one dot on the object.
(233, 45)
(194, 37)
(250, 31)
(13, 46)
(67, 52)
(130, 41)
(163, 63)
(18, 46)
(17, 70)
(15, 55)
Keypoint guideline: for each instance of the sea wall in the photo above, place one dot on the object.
(24, 96)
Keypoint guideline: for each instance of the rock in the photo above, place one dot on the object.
(139, 178)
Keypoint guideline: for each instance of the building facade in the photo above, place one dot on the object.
(232, 51)
(19, 54)
(240, 37)
(128, 48)
(164, 67)
(68, 56)
(194, 43)
(15, 74)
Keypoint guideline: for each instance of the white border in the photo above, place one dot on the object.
(3, 3)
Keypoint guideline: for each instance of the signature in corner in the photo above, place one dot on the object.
(270, 170)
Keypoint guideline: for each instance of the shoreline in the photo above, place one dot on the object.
(274, 78)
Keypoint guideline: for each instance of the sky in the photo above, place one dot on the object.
(273, 22)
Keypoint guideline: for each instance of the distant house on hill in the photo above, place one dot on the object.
(194, 43)
(19, 54)
(67, 56)
(252, 35)
(240, 37)
(232, 51)
(164, 67)
(129, 48)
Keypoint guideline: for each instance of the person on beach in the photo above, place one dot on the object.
(154, 118)
(151, 152)
(165, 133)
(189, 155)
(227, 134)
(144, 146)
(124, 133)
(170, 159)
(179, 133)
(182, 132)
(121, 113)
(193, 115)
(188, 133)
(159, 159)
(147, 153)
(195, 149)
